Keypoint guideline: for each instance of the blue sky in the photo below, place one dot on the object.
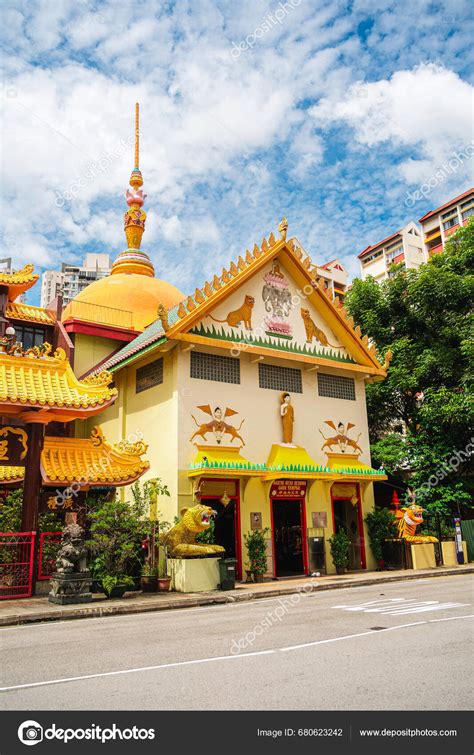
(331, 113)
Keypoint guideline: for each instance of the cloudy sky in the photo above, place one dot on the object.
(343, 116)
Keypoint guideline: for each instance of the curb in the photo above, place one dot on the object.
(217, 599)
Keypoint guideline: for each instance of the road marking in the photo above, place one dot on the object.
(135, 670)
(399, 606)
(451, 618)
(217, 658)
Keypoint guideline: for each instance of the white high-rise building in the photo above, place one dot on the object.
(439, 224)
(72, 279)
(402, 247)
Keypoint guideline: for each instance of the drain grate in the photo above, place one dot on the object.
(377, 629)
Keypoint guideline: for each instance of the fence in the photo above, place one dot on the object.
(49, 543)
(16, 564)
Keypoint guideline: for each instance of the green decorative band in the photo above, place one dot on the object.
(250, 466)
(272, 342)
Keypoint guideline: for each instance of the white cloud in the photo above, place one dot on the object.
(227, 146)
(426, 108)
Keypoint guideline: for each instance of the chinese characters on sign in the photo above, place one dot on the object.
(288, 489)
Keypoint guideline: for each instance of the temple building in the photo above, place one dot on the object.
(250, 392)
(40, 399)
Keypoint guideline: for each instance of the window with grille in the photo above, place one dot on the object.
(280, 378)
(212, 367)
(334, 386)
(149, 375)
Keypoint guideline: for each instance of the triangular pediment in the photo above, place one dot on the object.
(271, 311)
(270, 302)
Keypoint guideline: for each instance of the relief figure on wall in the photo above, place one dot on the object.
(217, 425)
(287, 418)
(312, 331)
(341, 439)
(241, 315)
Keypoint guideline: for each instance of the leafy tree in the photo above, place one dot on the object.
(10, 515)
(421, 415)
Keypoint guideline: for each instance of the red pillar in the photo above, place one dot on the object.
(32, 481)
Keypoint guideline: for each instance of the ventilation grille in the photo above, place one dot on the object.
(149, 375)
(334, 386)
(213, 367)
(280, 378)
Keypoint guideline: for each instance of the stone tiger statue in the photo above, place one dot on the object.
(181, 539)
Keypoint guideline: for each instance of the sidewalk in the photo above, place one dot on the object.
(38, 609)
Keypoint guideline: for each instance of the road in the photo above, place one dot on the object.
(405, 645)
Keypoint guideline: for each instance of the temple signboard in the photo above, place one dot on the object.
(288, 489)
(13, 446)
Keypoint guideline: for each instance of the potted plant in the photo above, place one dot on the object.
(164, 581)
(148, 579)
(339, 545)
(381, 527)
(116, 586)
(115, 540)
(257, 552)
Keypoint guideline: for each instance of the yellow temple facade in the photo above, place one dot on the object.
(250, 392)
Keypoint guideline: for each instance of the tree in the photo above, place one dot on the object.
(421, 415)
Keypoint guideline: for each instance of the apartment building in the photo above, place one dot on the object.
(439, 224)
(402, 247)
(334, 277)
(72, 279)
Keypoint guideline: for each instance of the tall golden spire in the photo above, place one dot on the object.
(132, 260)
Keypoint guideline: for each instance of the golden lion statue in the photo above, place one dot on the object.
(181, 539)
(407, 520)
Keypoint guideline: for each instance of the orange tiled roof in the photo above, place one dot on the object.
(19, 311)
(34, 379)
(18, 281)
(91, 461)
(11, 474)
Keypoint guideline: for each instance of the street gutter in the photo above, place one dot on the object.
(158, 602)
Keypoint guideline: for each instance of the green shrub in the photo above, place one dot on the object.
(257, 550)
(381, 526)
(339, 545)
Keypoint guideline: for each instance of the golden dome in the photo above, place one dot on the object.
(124, 300)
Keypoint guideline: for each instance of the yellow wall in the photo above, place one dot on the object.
(90, 350)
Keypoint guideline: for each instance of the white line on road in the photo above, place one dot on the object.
(399, 606)
(211, 660)
(348, 637)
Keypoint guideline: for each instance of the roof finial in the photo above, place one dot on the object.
(283, 227)
(132, 260)
(137, 136)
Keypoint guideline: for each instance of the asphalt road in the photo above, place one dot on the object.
(405, 645)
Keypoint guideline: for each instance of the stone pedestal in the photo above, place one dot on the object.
(448, 553)
(194, 574)
(423, 555)
(67, 589)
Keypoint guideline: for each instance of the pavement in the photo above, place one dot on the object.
(38, 609)
(401, 645)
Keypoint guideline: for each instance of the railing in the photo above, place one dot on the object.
(83, 310)
(49, 543)
(16, 564)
